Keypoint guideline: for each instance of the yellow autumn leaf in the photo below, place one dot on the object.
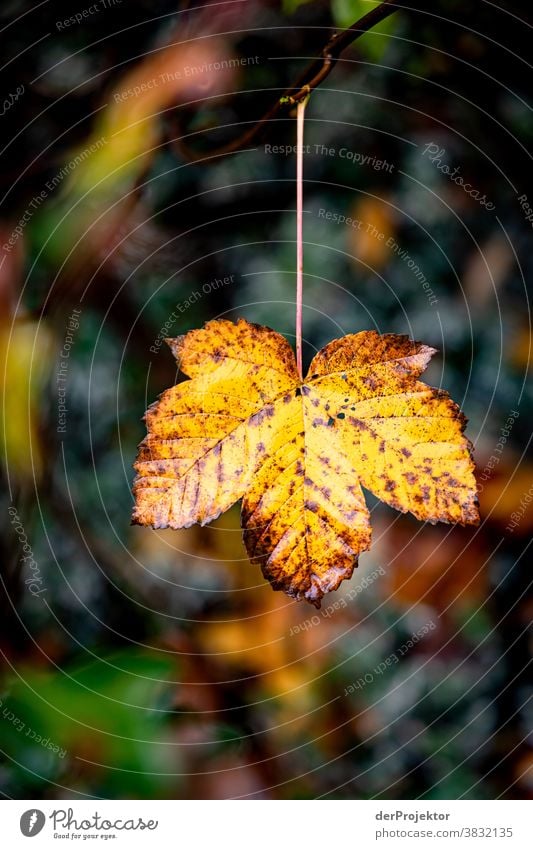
(299, 452)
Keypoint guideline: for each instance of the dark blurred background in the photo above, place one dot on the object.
(144, 664)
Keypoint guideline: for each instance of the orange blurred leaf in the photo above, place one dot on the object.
(369, 240)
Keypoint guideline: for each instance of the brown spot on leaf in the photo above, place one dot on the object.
(267, 412)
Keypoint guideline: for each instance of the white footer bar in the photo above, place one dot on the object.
(267, 824)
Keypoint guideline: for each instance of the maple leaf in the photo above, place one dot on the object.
(299, 452)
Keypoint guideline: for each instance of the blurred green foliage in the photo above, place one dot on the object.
(64, 724)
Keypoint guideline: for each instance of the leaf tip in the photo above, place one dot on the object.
(175, 343)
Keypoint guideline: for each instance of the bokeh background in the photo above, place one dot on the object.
(144, 664)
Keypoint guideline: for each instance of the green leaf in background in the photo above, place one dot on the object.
(69, 725)
(374, 43)
(292, 6)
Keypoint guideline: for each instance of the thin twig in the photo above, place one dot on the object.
(313, 75)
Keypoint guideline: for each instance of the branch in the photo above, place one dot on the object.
(314, 74)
